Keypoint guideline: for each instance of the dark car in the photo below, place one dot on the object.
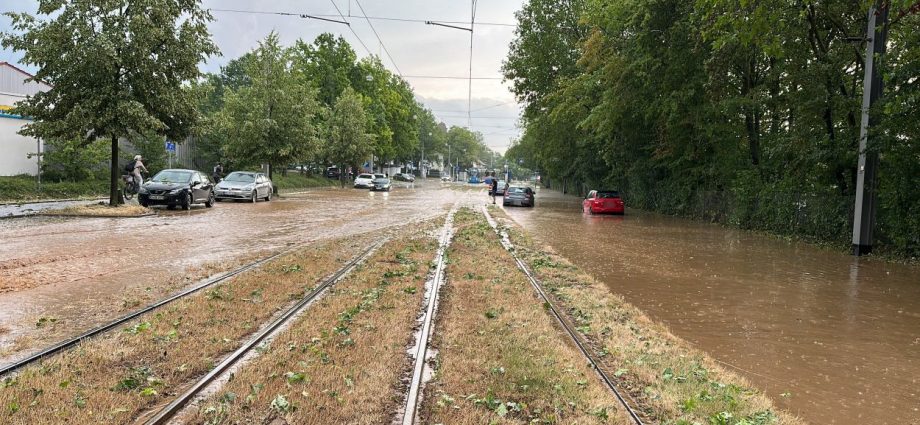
(333, 172)
(177, 188)
(519, 195)
(381, 185)
(404, 177)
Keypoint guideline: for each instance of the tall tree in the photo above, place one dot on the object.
(271, 120)
(114, 67)
(349, 142)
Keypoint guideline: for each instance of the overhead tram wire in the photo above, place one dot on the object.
(385, 50)
(349, 27)
(373, 18)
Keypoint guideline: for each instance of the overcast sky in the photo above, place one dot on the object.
(416, 48)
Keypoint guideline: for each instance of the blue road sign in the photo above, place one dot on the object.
(170, 146)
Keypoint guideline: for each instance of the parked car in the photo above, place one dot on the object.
(364, 181)
(381, 184)
(603, 202)
(176, 187)
(519, 195)
(501, 188)
(474, 179)
(245, 185)
(332, 172)
(405, 177)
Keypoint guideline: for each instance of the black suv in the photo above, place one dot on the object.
(177, 188)
(332, 172)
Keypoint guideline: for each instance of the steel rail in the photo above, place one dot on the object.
(63, 345)
(506, 243)
(168, 412)
(412, 399)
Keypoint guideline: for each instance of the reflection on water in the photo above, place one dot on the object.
(828, 336)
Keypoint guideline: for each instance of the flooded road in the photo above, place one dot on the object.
(830, 337)
(76, 273)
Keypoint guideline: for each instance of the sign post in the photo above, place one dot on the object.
(170, 151)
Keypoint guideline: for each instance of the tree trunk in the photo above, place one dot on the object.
(114, 194)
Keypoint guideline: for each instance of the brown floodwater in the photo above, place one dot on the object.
(830, 337)
(81, 272)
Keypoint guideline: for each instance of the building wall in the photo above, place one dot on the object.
(13, 147)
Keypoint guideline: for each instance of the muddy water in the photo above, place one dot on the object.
(833, 338)
(81, 272)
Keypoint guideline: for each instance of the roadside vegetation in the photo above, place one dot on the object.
(113, 378)
(344, 359)
(24, 188)
(500, 357)
(101, 210)
(739, 112)
(675, 383)
(293, 181)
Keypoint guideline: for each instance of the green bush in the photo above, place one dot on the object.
(25, 188)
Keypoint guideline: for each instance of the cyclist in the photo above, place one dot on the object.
(136, 171)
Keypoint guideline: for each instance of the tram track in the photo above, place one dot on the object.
(413, 396)
(71, 342)
(625, 399)
(166, 414)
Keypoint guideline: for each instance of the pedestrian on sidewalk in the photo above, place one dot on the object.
(494, 188)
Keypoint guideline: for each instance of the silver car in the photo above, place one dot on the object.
(245, 185)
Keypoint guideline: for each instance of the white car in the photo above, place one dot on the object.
(364, 181)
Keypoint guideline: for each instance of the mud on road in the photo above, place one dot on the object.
(60, 276)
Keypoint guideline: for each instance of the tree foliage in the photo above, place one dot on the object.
(349, 143)
(735, 111)
(270, 120)
(114, 67)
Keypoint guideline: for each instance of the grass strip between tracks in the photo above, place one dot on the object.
(344, 359)
(673, 382)
(112, 378)
(501, 357)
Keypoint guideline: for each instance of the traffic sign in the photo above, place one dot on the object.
(170, 146)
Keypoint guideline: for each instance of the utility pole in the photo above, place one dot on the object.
(450, 172)
(867, 173)
(38, 155)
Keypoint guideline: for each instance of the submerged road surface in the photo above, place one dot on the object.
(833, 338)
(59, 277)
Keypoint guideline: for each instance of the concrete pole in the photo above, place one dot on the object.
(867, 173)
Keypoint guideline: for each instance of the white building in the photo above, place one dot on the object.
(15, 149)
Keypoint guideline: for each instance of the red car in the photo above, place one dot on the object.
(603, 202)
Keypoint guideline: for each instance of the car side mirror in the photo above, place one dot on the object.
(196, 183)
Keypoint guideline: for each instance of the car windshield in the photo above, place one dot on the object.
(173, 176)
(365, 176)
(516, 189)
(501, 183)
(379, 176)
(241, 177)
(382, 181)
(608, 194)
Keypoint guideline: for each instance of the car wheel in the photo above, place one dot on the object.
(187, 202)
(255, 196)
(268, 198)
(210, 202)
(144, 204)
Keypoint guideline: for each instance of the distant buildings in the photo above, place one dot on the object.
(15, 149)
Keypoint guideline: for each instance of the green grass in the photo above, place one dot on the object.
(294, 181)
(24, 188)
